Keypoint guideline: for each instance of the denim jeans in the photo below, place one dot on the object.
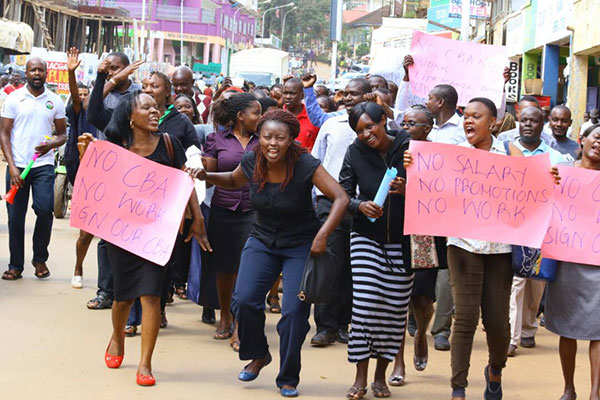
(41, 183)
(259, 268)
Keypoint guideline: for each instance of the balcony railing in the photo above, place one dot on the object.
(173, 13)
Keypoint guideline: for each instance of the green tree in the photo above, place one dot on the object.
(310, 20)
(362, 50)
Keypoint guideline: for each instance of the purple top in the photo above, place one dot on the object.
(228, 151)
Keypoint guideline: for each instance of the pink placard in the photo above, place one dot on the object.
(463, 192)
(129, 201)
(475, 70)
(574, 231)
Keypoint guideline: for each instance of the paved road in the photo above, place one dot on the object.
(53, 348)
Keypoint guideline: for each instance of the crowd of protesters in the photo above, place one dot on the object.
(291, 172)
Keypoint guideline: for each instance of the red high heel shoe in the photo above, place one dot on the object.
(144, 380)
(113, 361)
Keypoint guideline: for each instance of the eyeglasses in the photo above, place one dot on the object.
(412, 124)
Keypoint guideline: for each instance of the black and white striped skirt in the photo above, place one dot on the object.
(381, 289)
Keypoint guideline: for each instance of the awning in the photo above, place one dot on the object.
(15, 37)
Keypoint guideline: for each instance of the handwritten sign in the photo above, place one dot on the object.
(129, 201)
(463, 192)
(574, 230)
(475, 70)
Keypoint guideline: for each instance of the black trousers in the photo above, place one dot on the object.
(181, 262)
(338, 312)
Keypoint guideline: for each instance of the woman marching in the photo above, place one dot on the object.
(286, 230)
(134, 125)
(381, 278)
(480, 274)
(231, 212)
(573, 299)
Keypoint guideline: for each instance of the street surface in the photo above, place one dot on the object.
(53, 348)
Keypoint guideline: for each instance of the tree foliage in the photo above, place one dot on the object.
(310, 20)
(362, 50)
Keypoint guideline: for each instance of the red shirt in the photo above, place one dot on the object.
(8, 89)
(308, 132)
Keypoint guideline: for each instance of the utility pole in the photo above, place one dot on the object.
(181, 32)
(335, 35)
(465, 28)
(283, 24)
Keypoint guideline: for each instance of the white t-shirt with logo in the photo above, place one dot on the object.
(33, 118)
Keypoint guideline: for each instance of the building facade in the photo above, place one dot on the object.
(554, 47)
(212, 29)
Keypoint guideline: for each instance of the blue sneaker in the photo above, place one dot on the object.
(246, 376)
(289, 392)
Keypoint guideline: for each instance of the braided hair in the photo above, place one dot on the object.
(225, 110)
(261, 169)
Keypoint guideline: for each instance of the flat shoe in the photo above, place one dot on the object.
(246, 376)
(420, 363)
(144, 380)
(396, 380)
(289, 392)
(77, 282)
(490, 394)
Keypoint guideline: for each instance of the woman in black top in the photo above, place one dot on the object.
(286, 229)
(133, 126)
(381, 276)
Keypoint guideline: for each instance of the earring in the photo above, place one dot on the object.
(131, 124)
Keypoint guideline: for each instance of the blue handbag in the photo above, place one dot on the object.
(527, 262)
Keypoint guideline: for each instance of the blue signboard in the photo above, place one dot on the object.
(439, 14)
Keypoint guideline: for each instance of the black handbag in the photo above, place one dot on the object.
(319, 274)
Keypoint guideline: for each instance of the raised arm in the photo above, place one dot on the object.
(315, 113)
(333, 190)
(72, 64)
(98, 115)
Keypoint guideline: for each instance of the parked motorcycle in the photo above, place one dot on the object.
(63, 189)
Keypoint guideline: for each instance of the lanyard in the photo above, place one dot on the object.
(167, 112)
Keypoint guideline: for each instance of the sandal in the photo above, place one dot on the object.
(41, 270)
(99, 303)
(181, 292)
(130, 330)
(380, 392)
(273, 302)
(356, 392)
(223, 334)
(12, 275)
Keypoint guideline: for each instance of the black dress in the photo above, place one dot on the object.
(134, 276)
